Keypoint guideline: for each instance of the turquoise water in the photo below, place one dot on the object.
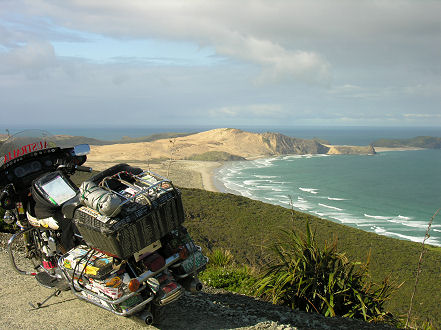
(391, 193)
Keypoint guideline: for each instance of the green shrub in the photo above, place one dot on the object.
(220, 258)
(215, 156)
(236, 279)
(223, 273)
(307, 277)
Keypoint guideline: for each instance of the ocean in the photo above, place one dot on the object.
(391, 193)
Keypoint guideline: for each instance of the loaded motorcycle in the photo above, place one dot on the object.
(116, 241)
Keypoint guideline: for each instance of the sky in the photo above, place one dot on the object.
(220, 63)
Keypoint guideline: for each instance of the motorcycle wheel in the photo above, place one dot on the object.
(34, 246)
(158, 313)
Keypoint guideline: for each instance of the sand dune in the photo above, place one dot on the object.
(229, 140)
(169, 157)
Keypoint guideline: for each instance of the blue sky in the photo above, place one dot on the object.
(220, 63)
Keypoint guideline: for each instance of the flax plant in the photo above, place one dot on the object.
(322, 280)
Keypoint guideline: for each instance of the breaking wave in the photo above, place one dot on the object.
(309, 190)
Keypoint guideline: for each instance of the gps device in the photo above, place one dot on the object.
(54, 188)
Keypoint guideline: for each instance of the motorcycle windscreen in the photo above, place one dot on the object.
(58, 190)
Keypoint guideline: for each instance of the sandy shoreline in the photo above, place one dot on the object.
(384, 149)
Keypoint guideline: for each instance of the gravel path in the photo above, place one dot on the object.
(210, 309)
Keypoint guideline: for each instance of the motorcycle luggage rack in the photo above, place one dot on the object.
(195, 269)
(145, 188)
(133, 309)
(149, 203)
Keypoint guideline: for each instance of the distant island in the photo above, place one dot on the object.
(427, 142)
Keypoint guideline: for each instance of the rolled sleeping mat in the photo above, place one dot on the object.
(99, 199)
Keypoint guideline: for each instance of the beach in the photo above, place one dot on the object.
(386, 149)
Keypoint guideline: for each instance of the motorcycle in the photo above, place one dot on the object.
(116, 241)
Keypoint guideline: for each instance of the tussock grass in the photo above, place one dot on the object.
(321, 280)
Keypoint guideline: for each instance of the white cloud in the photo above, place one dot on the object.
(214, 24)
(422, 115)
(297, 40)
(376, 57)
(254, 110)
(31, 59)
(277, 62)
(424, 89)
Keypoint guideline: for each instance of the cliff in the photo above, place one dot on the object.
(280, 144)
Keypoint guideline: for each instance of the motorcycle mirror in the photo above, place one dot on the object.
(81, 150)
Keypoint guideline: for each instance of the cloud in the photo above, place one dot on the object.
(31, 59)
(298, 40)
(422, 115)
(277, 62)
(272, 58)
(212, 24)
(253, 110)
(424, 89)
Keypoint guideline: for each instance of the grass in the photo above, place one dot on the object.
(246, 227)
(215, 156)
(224, 273)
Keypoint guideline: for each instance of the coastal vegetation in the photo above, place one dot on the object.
(247, 228)
(319, 279)
(152, 137)
(428, 142)
(215, 156)
(75, 140)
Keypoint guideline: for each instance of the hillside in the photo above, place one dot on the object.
(247, 227)
(74, 140)
(428, 142)
(223, 140)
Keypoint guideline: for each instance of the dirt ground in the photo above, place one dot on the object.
(210, 309)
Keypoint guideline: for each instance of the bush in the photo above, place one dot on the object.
(307, 277)
(220, 258)
(223, 273)
(235, 279)
(215, 156)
